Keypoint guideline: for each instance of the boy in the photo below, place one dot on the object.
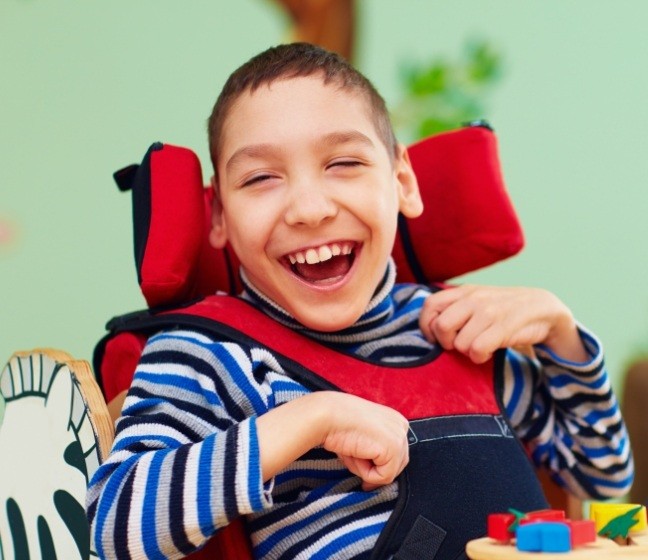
(309, 182)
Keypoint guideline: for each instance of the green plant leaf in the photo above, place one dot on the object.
(439, 94)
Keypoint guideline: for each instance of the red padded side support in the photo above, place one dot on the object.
(118, 363)
(176, 230)
(469, 221)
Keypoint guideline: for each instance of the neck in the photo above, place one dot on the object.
(376, 310)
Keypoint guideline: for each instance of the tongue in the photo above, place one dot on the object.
(327, 270)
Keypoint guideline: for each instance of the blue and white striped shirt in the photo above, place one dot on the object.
(185, 461)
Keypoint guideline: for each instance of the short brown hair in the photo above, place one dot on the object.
(291, 61)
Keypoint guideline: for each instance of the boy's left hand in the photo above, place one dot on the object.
(478, 320)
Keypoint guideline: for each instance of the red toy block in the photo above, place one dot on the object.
(583, 531)
(543, 515)
(498, 526)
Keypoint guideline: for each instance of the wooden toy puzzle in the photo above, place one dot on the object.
(612, 532)
(54, 433)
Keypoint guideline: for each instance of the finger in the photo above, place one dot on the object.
(389, 470)
(435, 305)
(470, 333)
(449, 322)
(358, 467)
(480, 356)
(368, 487)
(486, 343)
(382, 474)
(438, 301)
(371, 475)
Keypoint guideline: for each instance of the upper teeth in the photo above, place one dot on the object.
(323, 253)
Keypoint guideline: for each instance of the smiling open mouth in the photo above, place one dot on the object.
(324, 264)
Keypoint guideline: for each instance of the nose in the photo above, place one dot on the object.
(309, 204)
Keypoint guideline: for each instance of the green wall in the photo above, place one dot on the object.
(85, 87)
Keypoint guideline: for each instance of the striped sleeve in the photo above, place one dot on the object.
(185, 460)
(568, 416)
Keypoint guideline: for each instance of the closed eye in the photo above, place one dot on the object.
(346, 163)
(256, 179)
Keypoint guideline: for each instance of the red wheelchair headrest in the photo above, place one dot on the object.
(468, 222)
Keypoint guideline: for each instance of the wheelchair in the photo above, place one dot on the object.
(469, 222)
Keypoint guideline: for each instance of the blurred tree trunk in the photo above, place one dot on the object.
(327, 23)
(635, 412)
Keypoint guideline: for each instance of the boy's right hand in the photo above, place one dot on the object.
(369, 438)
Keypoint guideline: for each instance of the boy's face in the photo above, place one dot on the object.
(304, 176)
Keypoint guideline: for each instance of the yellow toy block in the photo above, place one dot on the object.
(603, 514)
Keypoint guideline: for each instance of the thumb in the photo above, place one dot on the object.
(426, 323)
(366, 470)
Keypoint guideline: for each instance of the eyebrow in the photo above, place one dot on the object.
(253, 151)
(346, 137)
(331, 139)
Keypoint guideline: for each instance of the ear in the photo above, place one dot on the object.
(218, 232)
(409, 196)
